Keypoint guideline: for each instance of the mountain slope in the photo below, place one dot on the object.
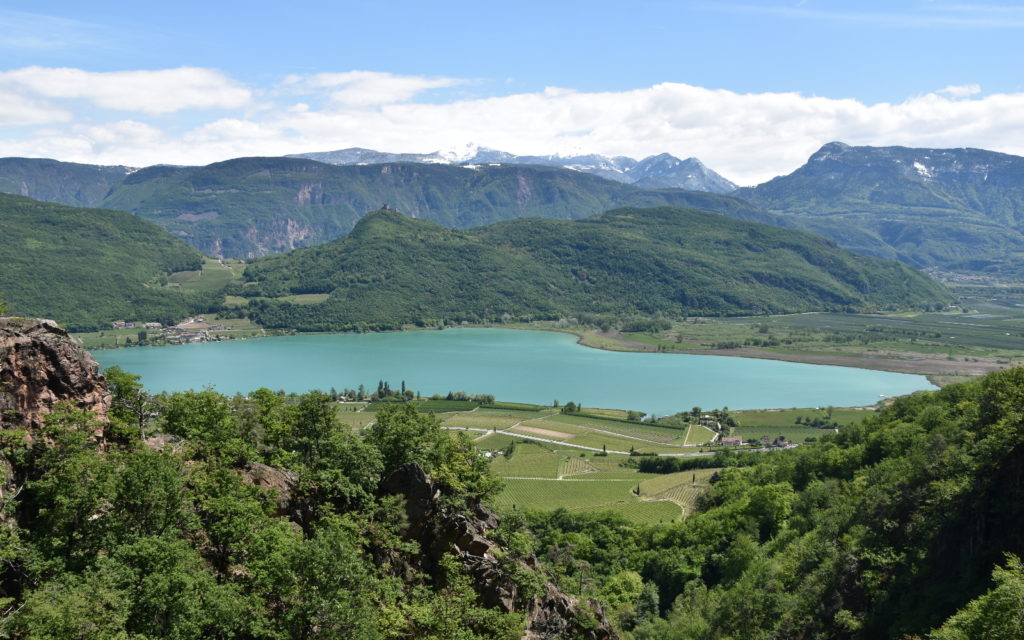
(87, 267)
(955, 209)
(393, 270)
(78, 185)
(251, 207)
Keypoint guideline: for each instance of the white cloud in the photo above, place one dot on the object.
(151, 92)
(961, 91)
(18, 110)
(365, 88)
(748, 137)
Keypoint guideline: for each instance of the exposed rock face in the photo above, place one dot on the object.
(280, 481)
(40, 365)
(439, 530)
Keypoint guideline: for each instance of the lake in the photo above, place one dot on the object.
(518, 366)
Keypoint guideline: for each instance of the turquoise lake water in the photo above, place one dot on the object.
(517, 366)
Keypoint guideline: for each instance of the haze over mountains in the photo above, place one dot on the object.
(662, 171)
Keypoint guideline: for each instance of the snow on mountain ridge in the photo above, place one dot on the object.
(662, 171)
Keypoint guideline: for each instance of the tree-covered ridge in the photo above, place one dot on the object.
(70, 183)
(86, 267)
(907, 525)
(393, 270)
(250, 207)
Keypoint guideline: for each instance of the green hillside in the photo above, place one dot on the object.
(256, 206)
(70, 183)
(393, 270)
(953, 209)
(87, 267)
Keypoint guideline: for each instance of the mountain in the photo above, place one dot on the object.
(251, 207)
(70, 183)
(662, 171)
(952, 209)
(668, 172)
(87, 267)
(394, 270)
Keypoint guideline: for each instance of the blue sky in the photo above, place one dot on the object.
(751, 88)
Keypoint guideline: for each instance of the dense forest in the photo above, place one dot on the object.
(394, 270)
(87, 267)
(112, 535)
(907, 525)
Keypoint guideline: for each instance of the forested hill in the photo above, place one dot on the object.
(86, 267)
(956, 209)
(70, 183)
(251, 207)
(393, 270)
(907, 526)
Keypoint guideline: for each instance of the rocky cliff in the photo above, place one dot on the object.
(40, 365)
(438, 530)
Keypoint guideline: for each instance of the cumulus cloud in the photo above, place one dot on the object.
(151, 92)
(747, 137)
(18, 110)
(365, 88)
(961, 91)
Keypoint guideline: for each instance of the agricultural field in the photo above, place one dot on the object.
(542, 476)
(985, 332)
(791, 433)
(356, 419)
(683, 488)
(215, 275)
(305, 298)
(477, 420)
(698, 435)
(789, 417)
(586, 495)
(528, 460)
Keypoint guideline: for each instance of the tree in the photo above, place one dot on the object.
(997, 614)
(131, 403)
(402, 434)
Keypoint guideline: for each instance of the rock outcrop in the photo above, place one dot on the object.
(40, 365)
(439, 530)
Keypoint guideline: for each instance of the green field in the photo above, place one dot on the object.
(585, 495)
(528, 461)
(787, 417)
(475, 420)
(661, 483)
(215, 275)
(699, 434)
(991, 331)
(793, 433)
(305, 298)
(356, 419)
